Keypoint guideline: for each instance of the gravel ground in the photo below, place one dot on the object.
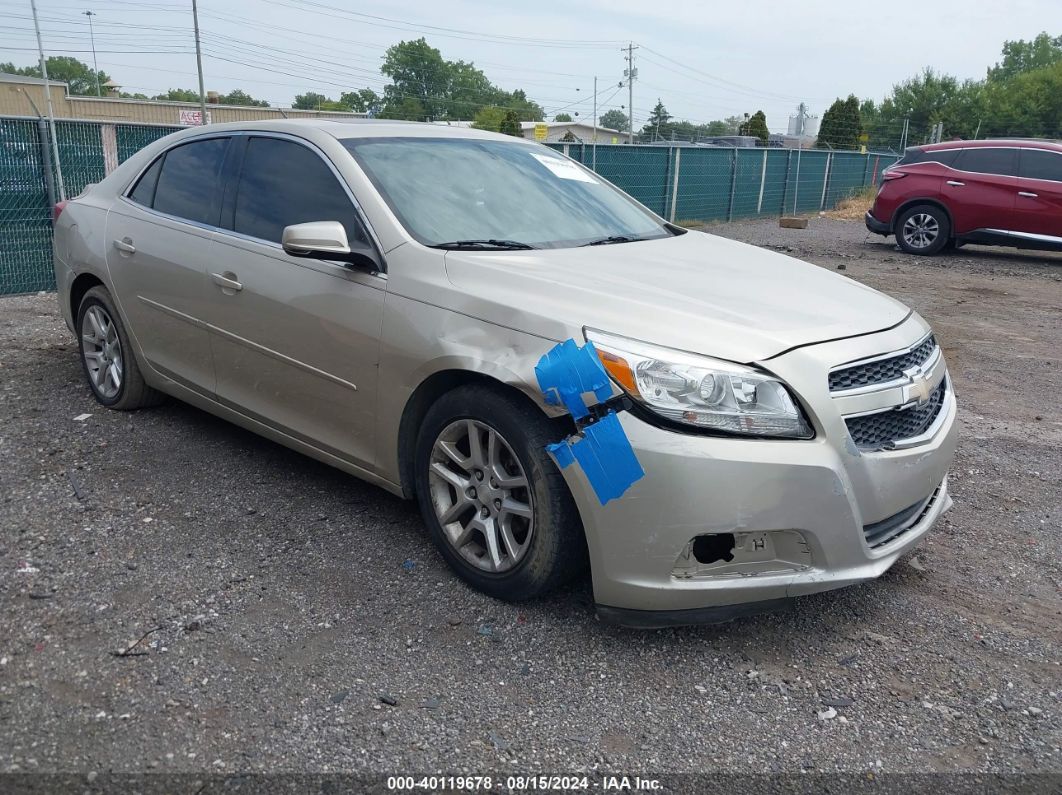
(292, 618)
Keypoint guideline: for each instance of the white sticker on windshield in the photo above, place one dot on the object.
(565, 169)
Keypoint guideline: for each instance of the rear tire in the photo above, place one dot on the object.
(923, 230)
(107, 356)
(481, 469)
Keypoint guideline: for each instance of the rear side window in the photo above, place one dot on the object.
(284, 183)
(144, 192)
(1040, 164)
(988, 161)
(914, 155)
(189, 179)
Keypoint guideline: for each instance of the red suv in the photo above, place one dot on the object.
(1002, 193)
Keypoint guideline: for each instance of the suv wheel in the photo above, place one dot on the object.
(495, 504)
(923, 229)
(106, 357)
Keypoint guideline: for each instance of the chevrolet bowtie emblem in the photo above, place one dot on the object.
(918, 391)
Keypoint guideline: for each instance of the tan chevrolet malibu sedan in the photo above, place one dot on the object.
(558, 376)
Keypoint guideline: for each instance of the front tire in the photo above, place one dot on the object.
(495, 504)
(923, 230)
(107, 357)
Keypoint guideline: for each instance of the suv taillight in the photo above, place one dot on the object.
(887, 175)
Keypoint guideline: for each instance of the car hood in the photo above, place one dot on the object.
(694, 292)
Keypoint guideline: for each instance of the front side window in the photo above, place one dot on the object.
(988, 160)
(284, 183)
(1040, 164)
(188, 182)
(446, 190)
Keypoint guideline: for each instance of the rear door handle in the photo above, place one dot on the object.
(956, 183)
(1027, 195)
(125, 245)
(227, 282)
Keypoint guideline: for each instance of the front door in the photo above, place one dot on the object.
(158, 241)
(296, 341)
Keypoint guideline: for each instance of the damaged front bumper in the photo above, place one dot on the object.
(722, 527)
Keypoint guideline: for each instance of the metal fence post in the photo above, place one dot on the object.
(46, 161)
(866, 169)
(796, 185)
(675, 184)
(825, 180)
(763, 179)
(785, 186)
(733, 183)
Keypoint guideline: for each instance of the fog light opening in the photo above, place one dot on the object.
(713, 548)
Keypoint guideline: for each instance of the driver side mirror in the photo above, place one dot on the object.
(327, 240)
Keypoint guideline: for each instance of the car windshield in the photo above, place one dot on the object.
(483, 194)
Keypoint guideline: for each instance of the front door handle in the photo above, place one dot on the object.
(125, 245)
(956, 183)
(227, 282)
(1027, 195)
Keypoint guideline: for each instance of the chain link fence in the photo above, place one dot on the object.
(691, 185)
(685, 184)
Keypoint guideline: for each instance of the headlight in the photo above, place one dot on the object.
(700, 391)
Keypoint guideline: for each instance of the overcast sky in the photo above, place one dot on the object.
(705, 59)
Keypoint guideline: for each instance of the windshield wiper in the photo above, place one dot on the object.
(482, 244)
(607, 241)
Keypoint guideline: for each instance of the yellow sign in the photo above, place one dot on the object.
(863, 138)
(541, 131)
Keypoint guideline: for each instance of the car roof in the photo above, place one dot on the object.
(1037, 143)
(362, 128)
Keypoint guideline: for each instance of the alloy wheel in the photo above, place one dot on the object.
(102, 351)
(920, 230)
(481, 496)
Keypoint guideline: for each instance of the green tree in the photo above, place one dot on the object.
(562, 117)
(178, 95)
(238, 97)
(77, 75)
(615, 119)
(510, 125)
(489, 118)
(1018, 56)
(658, 125)
(444, 90)
(841, 125)
(756, 126)
(364, 100)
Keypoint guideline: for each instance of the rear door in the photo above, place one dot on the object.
(158, 244)
(1038, 206)
(296, 340)
(979, 189)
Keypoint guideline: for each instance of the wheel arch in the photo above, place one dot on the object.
(907, 205)
(82, 283)
(428, 392)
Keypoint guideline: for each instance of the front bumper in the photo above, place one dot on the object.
(876, 226)
(823, 492)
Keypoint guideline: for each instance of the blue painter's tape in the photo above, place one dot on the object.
(605, 455)
(567, 372)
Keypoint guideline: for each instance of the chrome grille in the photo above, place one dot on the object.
(883, 370)
(878, 431)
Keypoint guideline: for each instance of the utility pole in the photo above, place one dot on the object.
(199, 65)
(630, 73)
(92, 39)
(48, 98)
